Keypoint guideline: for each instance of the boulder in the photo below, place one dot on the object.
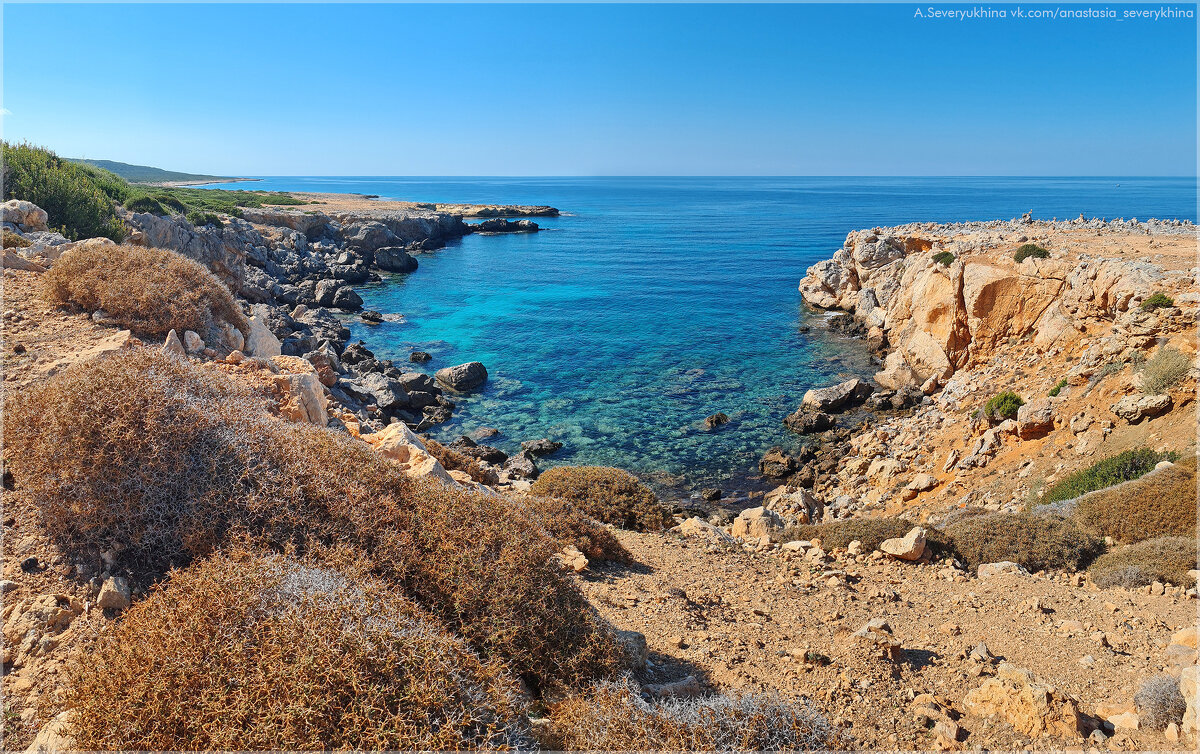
(909, 547)
(27, 216)
(1035, 418)
(542, 447)
(922, 483)
(1134, 408)
(301, 398)
(114, 594)
(394, 259)
(838, 396)
(1189, 679)
(192, 341)
(896, 373)
(698, 527)
(463, 376)
(776, 464)
(806, 420)
(522, 466)
(802, 504)
(756, 522)
(388, 394)
(261, 342)
(419, 357)
(716, 420)
(14, 261)
(55, 736)
(1033, 709)
(399, 444)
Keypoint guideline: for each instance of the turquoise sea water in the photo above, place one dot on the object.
(654, 302)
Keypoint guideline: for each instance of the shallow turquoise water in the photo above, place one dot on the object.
(658, 301)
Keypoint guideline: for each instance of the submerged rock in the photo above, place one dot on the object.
(463, 376)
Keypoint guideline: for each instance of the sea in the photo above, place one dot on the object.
(652, 303)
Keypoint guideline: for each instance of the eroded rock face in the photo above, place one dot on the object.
(399, 444)
(756, 522)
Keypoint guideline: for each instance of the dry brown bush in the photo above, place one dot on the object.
(1036, 542)
(1159, 504)
(570, 526)
(261, 652)
(164, 461)
(1166, 559)
(870, 532)
(452, 460)
(610, 495)
(614, 717)
(149, 291)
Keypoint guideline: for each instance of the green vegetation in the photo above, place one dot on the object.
(81, 199)
(144, 173)
(610, 495)
(1105, 473)
(1036, 542)
(1003, 406)
(1030, 250)
(200, 219)
(1165, 559)
(76, 200)
(944, 258)
(1154, 505)
(1162, 370)
(1058, 386)
(1157, 301)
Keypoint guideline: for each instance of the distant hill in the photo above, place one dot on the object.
(147, 174)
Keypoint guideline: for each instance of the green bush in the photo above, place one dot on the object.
(200, 219)
(1162, 370)
(1058, 386)
(1003, 406)
(1157, 301)
(610, 495)
(145, 204)
(172, 203)
(1030, 250)
(1105, 473)
(1036, 542)
(75, 198)
(944, 258)
(1166, 559)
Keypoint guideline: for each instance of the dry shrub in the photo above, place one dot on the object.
(1162, 503)
(1165, 368)
(1159, 702)
(1036, 542)
(452, 460)
(610, 495)
(869, 531)
(614, 717)
(1166, 559)
(164, 461)
(570, 526)
(250, 652)
(14, 240)
(149, 291)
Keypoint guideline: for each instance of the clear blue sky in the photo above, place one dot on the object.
(601, 90)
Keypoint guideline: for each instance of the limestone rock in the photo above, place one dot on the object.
(192, 341)
(1189, 679)
(262, 342)
(25, 215)
(922, 483)
(835, 397)
(1035, 418)
(909, 547)
(1034, 709)
(756, 522)
(54, 736)
(698, 527)
(1134, 408)
(14, 261)
(463, 377)
(114, 594)
(1004, 567)
(398, 443)
(173, 344)
(394, 259)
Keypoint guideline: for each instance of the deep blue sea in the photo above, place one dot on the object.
(655, 302)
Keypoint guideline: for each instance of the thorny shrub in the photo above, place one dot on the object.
(1165, 559)
(163, 461)
(1036, 542)
(1162, 370)
(564, 522)
(1159, 504)
(614, 717)
(149, 291)
(262, 652)
(1159, 702)
(610, 495)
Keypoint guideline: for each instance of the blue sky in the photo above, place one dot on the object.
(601, 90)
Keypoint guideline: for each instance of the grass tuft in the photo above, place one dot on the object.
(1163, 370)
